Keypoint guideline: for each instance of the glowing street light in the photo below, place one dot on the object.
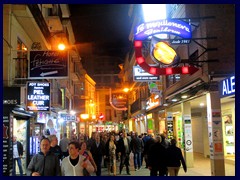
(61, 46)
(126, 90)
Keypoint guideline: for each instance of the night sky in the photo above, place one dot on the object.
(106, 25)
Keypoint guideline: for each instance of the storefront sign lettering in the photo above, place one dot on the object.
(38, 96)
(227, 87)
(166, 26)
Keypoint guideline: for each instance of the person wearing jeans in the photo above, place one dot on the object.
(17, 155)
(137, 148)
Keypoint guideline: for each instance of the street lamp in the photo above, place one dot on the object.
(61, 46)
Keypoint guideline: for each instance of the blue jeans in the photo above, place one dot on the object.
(19, 162)
(137, 160)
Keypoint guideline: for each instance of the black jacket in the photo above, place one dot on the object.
(121, 147)
(175, 157)
(97, 151)
(57, 151)
(20, 148)
(157, 155)
(137, 145)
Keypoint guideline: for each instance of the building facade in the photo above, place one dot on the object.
(177, 110)
(50, 25)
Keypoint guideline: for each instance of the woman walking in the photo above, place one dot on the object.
(75, 164)
(111, 155)
(87, 154)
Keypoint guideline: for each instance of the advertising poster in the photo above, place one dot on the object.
(150, 125)
(38, 96)
(188, 133)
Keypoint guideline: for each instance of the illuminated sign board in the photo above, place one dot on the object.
(166, 26)
(140, 75)
(119, 100)
(153, 102)
(227, 87)
(38, 96)
(68, 117)
(48, 64)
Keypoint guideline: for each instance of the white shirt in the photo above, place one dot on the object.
(15, 151)
(68, 169)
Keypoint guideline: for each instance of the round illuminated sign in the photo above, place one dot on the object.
(164, 54)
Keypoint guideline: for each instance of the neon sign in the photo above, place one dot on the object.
(166, 26)
(38, 96)
(227, 87)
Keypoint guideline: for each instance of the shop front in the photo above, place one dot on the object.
(16, 122)
(227, 94)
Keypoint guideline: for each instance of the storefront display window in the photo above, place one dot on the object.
(20, 130)
(229, 133)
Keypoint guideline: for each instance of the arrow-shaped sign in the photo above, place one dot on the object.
(48, 73)
(110, 101)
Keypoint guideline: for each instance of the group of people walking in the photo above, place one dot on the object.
(86, 158)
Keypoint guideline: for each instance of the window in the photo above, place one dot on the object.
(172, 79)
(21, 61)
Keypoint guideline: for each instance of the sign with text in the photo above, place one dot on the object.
(179, 41)
(188, 133)
(48, 64)
(7, 144)
(227, 87)
(11, 96)
(119, 100)
(38, 96)
(165, 26)
(142, 76)
(68, 117)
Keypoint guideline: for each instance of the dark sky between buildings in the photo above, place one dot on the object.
(106, 25)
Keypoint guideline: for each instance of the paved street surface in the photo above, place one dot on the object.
(201, 168)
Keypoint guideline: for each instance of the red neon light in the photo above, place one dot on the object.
(185, 70)
(138, 44)
(153, 70)
(140, 60)
(159, 71)
(168, 71)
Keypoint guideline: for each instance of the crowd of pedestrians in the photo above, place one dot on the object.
(87, 156)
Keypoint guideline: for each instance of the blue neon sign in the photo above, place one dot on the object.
(227, 87)
(166, 26)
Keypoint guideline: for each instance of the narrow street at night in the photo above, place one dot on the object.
(119, 90)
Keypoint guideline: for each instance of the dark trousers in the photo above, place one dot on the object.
(161, 171)
(146, 159)
(19, 162)
(98, 162)
(124, 160)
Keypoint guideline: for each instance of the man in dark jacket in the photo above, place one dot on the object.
(45, 163)
(157, 158)
(17, 155)
(124, 150)
(137, 148)
(174, 159)
(98, 151)
(147, 146)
